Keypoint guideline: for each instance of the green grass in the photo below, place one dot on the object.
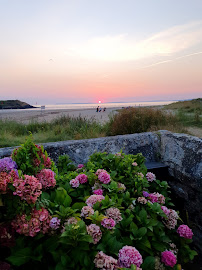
(64, 128)
(136, 120)
(190, 119)
(127, 121)
(188, 112)
(188, 106)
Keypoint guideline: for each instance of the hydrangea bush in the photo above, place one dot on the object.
(109, 213)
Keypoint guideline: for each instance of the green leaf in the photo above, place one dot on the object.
(20, 257)
(67, 201)
(61, 194)
(87, 260)
(64, 260)
(51, 243)
(146, 243)
(45, 195)
(59, 266)
(142, 231)
(143, 215)
(149, 263)
(78, 205)
(159, 246)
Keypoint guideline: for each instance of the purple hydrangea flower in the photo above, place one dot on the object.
(7, 164)
(145, 194)
(55, 223)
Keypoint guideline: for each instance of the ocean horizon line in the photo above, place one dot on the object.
(126, 102)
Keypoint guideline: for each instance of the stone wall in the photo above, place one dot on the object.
(182, 153)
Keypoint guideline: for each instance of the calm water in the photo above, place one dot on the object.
(94, 105)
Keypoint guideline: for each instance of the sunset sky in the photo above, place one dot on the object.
(110, 50)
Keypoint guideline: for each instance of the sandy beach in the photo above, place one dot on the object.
(26, 116)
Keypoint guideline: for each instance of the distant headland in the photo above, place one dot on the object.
(14, 104)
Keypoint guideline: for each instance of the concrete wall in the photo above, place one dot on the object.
(182, 153)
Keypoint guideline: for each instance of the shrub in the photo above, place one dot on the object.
(137, 120)
(131, 224)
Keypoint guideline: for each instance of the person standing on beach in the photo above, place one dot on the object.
(97, 110)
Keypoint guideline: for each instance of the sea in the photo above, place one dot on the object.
(81, 106)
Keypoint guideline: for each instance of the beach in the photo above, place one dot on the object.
(27, 116)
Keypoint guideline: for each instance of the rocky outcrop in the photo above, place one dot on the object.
(14, 104)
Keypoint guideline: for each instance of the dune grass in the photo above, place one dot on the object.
(127, 121)
(187, 105)
(136, 120)
(63, 128)
(188, 112)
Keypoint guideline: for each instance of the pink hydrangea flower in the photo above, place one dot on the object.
(153, 198)
(134, 164)
(39, 222)
(103, 261)
(171, 222)
(5, 266)
(129, 255)
(99, 171)
(108, 223)
(185, 231)
(71, 221)
(94, 231)
(47, 178)
(104, 177)
(173, 248)
(87, 211)
(165, 210)
(122, 187)
(28, 189)
(80, 166)
(119, 155)
(93, 199)
(74, 183)
(114, 213)
(140, 174)
(142, 200)
(150, 176)
(161, 198)
(168, 258)
(98, 192)
(4, 180)
(82, 178)
(47, 161)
